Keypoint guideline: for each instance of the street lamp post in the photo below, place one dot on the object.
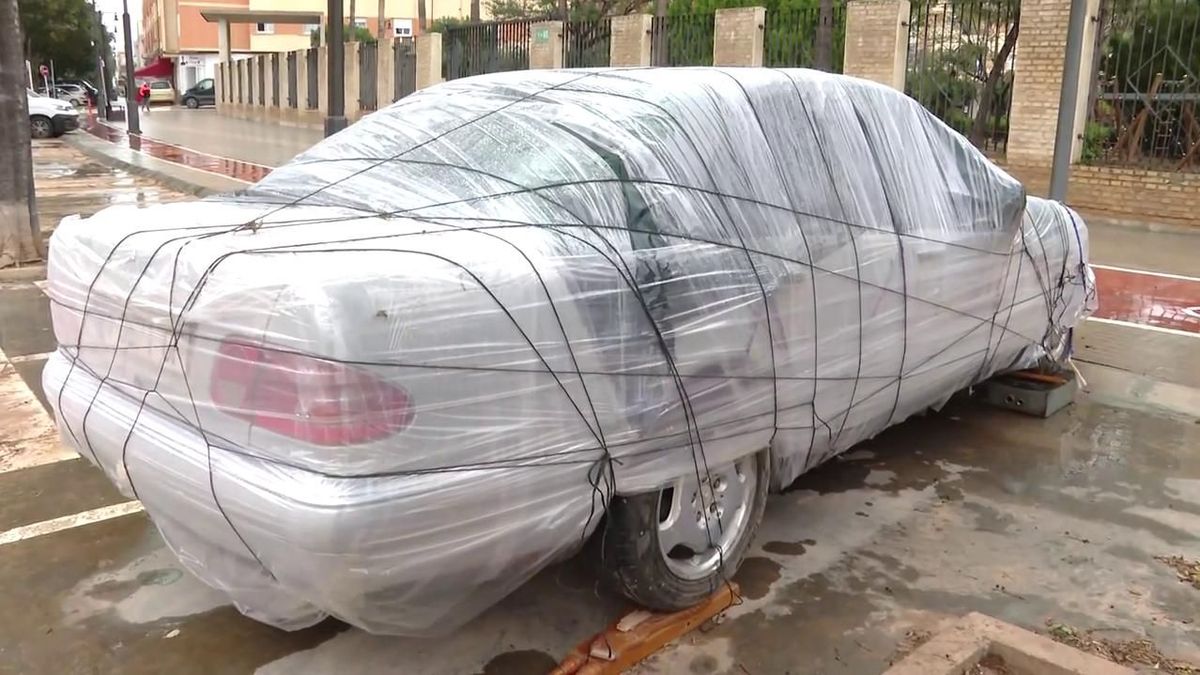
(1064, 137)
(131, 109)
(335, 118)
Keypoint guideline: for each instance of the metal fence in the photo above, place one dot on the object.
(1142, 107)
(275, 100)
(259, 79)
(293, 84)
(405, 68)
(813, 37)
(487, 47)
(961, 56)
(682, 40)
(313, 101)
(368, 70)
(586, 43)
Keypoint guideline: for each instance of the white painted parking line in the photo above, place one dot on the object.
(67, 522)
(1143, 326)
(24, 358)
(28, 437)
(1165, 275)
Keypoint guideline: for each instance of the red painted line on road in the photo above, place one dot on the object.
(194, 159)
(1149, 299)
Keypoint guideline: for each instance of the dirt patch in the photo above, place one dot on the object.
(1137, 652)
(1188, 571)
(913, 639)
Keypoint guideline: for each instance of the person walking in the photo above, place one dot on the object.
(144, 96)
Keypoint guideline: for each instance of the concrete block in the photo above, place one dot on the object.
(738, 36)
(629, 44)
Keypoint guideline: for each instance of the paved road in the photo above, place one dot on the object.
(968, 509)
(246, 140)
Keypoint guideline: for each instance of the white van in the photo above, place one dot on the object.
(48, 117)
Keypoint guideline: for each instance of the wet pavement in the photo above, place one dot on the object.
(967, 509)
(251, 142)
(247, 171)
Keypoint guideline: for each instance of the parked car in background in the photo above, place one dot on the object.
(82, 84)
(71, 94)
(203, 92)
(48, 117)
(161, 91)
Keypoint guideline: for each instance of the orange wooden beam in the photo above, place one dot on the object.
(639, 634)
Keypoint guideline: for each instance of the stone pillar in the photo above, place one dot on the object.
(243, 82)
(1037, 81)
(351, 82)
(545, 45)
(385, 73)
(283, 81)
(429, 59)
(323, 79)
(219, 85)
(269, 82)
(738, 36)
(223, 40)
(877, 40)
(302, 80)
(630, 41)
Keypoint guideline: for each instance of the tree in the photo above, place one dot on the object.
(19, 238)
(62, 31)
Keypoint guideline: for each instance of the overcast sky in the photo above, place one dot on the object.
(112, 14)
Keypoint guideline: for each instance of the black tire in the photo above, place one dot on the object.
(191, 102)
(41, 126)
(633, 564)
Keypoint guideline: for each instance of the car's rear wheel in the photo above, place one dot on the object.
(191, 103)
(670, 549)
(41, 126)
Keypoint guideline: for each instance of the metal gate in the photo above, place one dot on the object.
(586, 43)
(488, 47)
(293, 84)
(262, 72)
(368, 68)
(405, 66)
(313, 64)
(960, 65)
(275, 80)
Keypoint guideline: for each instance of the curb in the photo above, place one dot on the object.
(35, 271)
(1100, 218)
(91, 147)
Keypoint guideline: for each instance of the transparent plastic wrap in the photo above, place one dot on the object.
(408, 370)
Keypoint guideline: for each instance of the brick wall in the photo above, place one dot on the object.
(1130, 194)
(545, 45)
(630, 41)
(876, 39)
(738, 37)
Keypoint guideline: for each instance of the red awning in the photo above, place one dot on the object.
(163, 67)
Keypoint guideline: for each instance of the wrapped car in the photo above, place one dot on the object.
(430, 355)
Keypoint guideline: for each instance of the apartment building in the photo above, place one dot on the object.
(177, 43)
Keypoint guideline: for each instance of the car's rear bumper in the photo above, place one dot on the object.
(391, 554)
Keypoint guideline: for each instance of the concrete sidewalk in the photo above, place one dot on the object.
(204, 130)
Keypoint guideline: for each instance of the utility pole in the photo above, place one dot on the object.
(335, 117)
(20, 238)
(380, 20)
(1068, 99)
(101, 66)
(133, 124)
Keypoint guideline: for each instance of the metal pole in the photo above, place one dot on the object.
(101, 71)
(131, 110)
(335, 116)
(1064, 138)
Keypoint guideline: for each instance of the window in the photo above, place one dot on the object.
(205, 84)
(402, 28)
(264, 28)
(160, 84)
(360, 23)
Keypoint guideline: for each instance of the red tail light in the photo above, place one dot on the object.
(306, 398)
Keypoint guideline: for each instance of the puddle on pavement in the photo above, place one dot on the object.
(521, 662)
(788, 547)
(756, 576)
(150, 588)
